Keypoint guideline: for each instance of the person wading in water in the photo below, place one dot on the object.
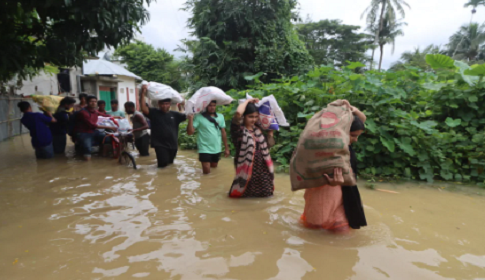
(164, 129)
(254, 167)
(211, 129)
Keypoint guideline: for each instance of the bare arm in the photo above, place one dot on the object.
(49, 114)
(242, 107)
(190, 126)
(359, 114)
(144, 107)
(143, 122)
(227, 151)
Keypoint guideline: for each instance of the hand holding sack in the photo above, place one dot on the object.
(323, 147)
(271, 117)
(157, 91)
(203, 97)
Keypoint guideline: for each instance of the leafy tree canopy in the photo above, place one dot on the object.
(243, 37)
(331, 42)
(416, 58)
(151, 64)
(62, 32)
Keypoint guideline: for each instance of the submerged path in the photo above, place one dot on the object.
(68, 219)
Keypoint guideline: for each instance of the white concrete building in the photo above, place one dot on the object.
(109, 81)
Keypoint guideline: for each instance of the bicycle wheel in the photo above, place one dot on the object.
(127, 159)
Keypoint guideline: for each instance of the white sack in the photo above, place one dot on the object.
(270, 114)
(203, 97)
(157, 91)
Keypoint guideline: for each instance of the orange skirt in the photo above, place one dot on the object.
(324, 208)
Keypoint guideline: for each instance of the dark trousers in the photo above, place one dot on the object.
(165, 156)
(59, 143)
(143, 144)
(44, 152)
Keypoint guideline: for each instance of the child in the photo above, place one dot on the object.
(254, 167)
(37, 123)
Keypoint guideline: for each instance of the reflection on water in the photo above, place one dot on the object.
(67, 219)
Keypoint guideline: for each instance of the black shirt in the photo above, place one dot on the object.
(165, 128)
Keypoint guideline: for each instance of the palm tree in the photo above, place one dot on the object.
(387, 10)
(474, 4)
(390, 31)
(468, 43)
(416, 58)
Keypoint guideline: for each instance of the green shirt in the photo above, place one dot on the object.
(209, 137)
(116, 114)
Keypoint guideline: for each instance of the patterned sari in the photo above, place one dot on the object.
(254, 167)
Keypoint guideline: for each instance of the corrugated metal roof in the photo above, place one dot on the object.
(104, 67)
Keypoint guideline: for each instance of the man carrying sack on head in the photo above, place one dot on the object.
(164, 128)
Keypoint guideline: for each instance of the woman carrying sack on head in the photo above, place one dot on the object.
(335, 207)
(254, 167)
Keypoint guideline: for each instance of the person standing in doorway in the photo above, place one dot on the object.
(164, 129)
(114, 110)
(37, 123)
(211, 129)
(59, 129)
(87, 128)
(102, 107)
(140, 129)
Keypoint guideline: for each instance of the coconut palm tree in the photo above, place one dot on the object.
(468, 43)
(416, 58)
(474, 4)
(388, 34)
(381, 10)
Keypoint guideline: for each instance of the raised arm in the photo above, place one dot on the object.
(144, 107)
(359, 114)
(242, 107)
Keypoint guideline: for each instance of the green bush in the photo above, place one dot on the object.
(421, 125)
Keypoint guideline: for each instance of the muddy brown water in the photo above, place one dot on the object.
(68, 219)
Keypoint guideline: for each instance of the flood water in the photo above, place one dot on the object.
(68, 219)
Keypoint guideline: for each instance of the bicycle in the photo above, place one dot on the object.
(121, 150)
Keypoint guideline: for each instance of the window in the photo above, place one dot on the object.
(122, 90)
(131, 90)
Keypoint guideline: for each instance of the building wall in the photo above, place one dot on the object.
(126, 90)
(47, 84)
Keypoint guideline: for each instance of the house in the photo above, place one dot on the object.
(109, 81)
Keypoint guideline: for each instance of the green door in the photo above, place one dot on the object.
(106, 96)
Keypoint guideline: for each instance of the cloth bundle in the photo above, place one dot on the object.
(271, 117)
(203, 97)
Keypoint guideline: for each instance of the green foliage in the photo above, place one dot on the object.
(62, 32)
(416, 58)
(439, 61)
(331, 42)
(152, 64)
(244, 37)
(468, 43)
(420, 125)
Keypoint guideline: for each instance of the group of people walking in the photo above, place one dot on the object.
(333, 207)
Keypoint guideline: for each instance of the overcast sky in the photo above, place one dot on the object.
(429, 21)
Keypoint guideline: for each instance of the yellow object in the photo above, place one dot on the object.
(48, 103)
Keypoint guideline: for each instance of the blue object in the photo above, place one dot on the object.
(37, 124)
(267, 118)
